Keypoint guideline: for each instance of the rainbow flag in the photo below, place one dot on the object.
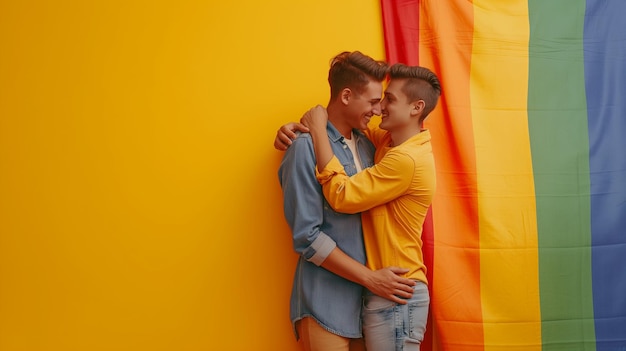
(526, 238)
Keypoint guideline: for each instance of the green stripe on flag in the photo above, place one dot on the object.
(557, 114)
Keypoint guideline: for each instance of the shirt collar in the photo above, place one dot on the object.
(335, 136)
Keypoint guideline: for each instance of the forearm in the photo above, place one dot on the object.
(386, 282)
(345, 266)
(304, 214)
(321, 145)
(374, 186)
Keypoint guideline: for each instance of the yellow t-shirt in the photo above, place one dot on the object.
(395, 193)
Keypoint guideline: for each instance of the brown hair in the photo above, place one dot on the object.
(421, 84)
(354, 70)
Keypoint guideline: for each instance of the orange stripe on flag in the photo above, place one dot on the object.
(445, 45)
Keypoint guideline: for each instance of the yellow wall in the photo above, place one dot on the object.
(139, 203)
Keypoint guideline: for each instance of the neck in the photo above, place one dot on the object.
(336, 117)
(400, 136)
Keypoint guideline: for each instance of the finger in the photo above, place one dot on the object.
(408, 282)
(286, 133)
(405, 287)
(301, 128)
(281, 144)
(398, 300)
(398, 270)
(403, 293)
(286, 139)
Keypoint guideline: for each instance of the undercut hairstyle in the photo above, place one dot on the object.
(354, 70)
(421, 84)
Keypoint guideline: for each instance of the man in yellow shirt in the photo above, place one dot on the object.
(395, 193)
(326, 300)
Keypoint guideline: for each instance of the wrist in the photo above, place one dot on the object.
(366, 279)
(317, 132)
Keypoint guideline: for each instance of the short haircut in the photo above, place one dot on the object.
(421, 84)
(354, 70)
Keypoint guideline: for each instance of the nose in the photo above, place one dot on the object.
(377, 109)
(383, 105)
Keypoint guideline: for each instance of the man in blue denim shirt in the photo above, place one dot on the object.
(326, 297)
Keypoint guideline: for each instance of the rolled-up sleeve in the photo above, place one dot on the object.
(303, 201)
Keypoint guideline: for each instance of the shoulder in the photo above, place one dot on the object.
(302, 141)
(300, 150)
(400, 157)
(412, 155)
(303, 136)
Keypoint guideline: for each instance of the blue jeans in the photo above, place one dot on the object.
(388, 326)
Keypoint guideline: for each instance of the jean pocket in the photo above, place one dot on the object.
(376, 303)
(418, 316)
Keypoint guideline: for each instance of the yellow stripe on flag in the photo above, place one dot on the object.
(506, 201)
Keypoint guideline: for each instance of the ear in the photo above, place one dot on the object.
(346, 95)
(418, 107)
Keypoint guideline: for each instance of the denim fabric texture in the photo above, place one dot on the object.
(388, 326)
(316, 228)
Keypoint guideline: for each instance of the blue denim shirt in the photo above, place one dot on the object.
(316, 229)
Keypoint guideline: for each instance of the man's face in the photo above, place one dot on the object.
(365, 105)
(396, 109)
